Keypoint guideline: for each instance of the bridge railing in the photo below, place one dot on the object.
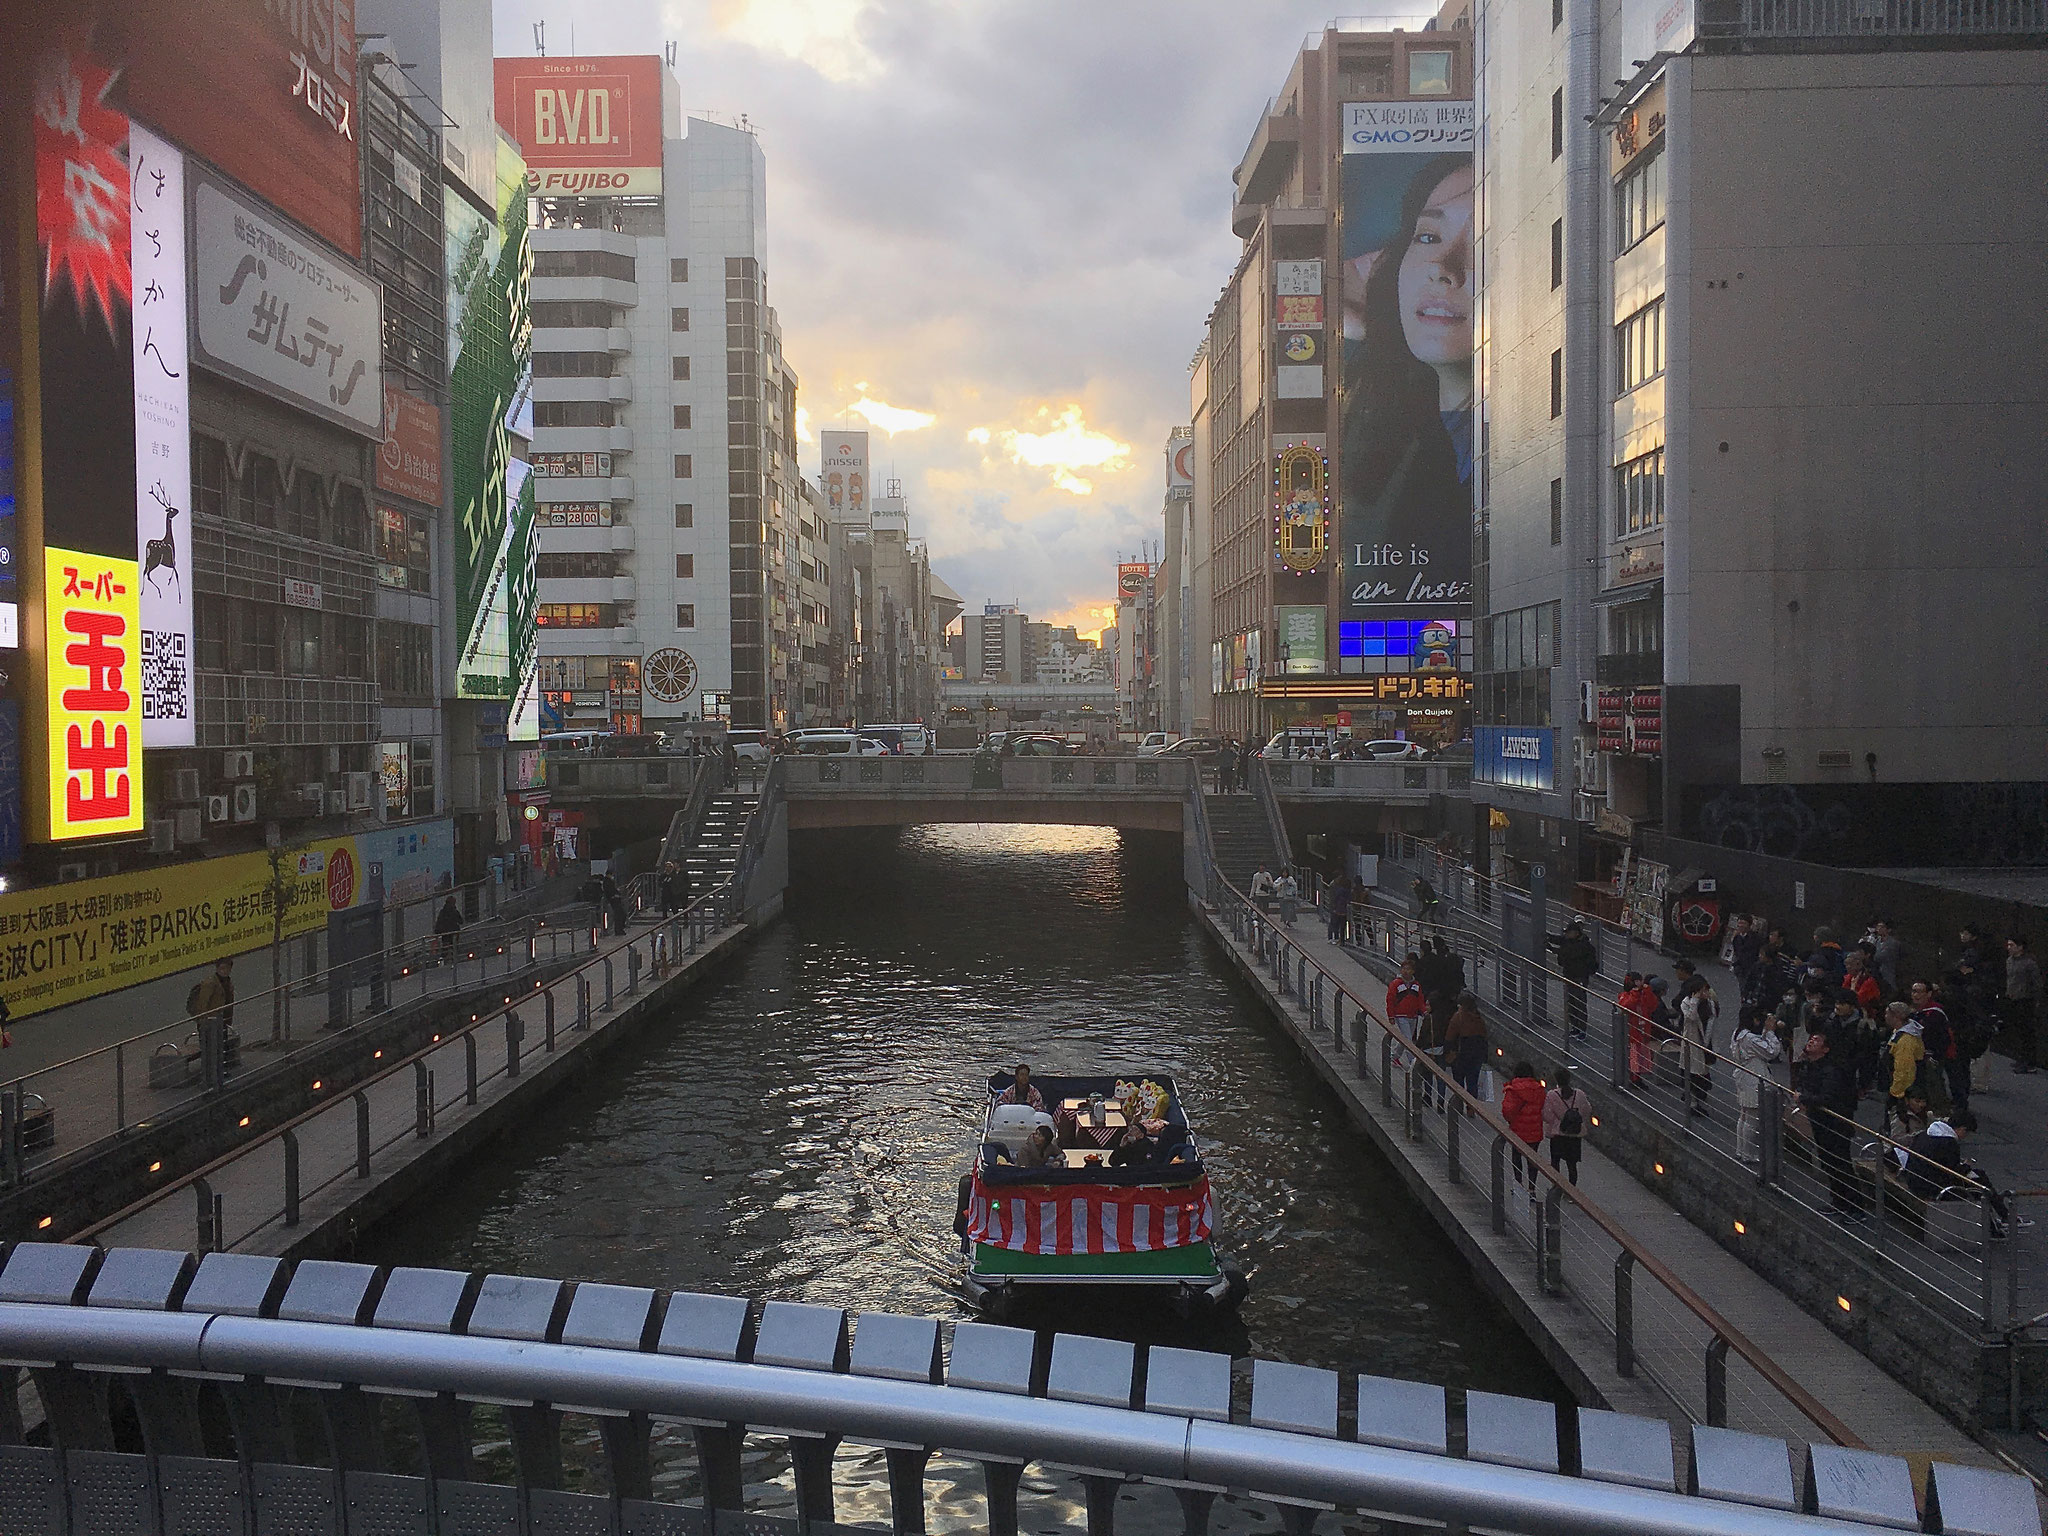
(582, 774)
(1080, 775)
(1306, 778)
(1660, 1327)
(233, 1368)
(1742, 1128)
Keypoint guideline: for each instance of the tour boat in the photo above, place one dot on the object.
(1076, 1221)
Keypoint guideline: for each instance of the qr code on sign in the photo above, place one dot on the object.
(164, 689)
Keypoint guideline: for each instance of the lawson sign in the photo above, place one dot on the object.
(1515, 757)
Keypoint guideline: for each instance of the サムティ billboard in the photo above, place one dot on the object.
(1406, 290)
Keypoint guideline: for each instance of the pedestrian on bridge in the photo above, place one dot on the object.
(1287, 890)
(1226, 769)
(1754, 1047)
(1339, 910)
(2022, 1002)
(1465, 1042)
(1566, 1109)
(675, 888)
(1579, 961)
(447, 924)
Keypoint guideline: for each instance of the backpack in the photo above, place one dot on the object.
(192, 1000)
(1572, 1123)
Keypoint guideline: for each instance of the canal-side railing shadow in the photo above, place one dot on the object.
(1660, 1327)
(325, 1397)
(450, 1070)
(1941, 1243)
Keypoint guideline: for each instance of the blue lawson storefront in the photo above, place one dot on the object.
(1514, 756)
(1514, 829)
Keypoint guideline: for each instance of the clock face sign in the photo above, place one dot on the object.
(669, 675)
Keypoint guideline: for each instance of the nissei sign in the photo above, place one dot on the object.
(590, 127)
(1515, 757)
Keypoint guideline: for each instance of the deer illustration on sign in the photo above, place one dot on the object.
(162, 554)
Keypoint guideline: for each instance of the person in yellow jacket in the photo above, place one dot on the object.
(1908, 1056)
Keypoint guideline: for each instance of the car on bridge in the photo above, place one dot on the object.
(1156, 742)
(1036, 744)
(1203, 747)
(838, 744)
(1383, 751)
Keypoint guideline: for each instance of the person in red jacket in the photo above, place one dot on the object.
(1406, 1003)
(1638, 1003)
(1521, 1105)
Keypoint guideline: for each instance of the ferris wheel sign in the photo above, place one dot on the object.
(669, 675)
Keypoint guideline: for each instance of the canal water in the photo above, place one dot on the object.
(797, 1130)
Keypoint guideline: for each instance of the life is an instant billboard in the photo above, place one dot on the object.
(590, 127)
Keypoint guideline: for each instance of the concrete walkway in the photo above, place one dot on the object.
(1880, 1411)
(336, 1197)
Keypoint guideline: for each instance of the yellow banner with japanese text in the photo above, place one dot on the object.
(59, 944)
(92, 663)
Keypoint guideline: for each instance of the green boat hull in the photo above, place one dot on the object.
(1195, 1262)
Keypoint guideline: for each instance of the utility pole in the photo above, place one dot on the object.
(282, 891)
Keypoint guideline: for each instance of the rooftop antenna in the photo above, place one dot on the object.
(669, 49)
(540, 38)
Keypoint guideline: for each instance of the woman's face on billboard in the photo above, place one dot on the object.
(1435, 285)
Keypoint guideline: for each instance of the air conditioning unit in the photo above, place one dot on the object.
(163, 835)
(191, 825)
(362, 788)
(217, 807)
(245, 802)
(239, 764)
(314, 794)
(67, 872)
(337, 802)
(185, 785)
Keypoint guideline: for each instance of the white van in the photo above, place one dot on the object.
(1156, 742)
(838, 744)
(1300, 741)
(901, 740)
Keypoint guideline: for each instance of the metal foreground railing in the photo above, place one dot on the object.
(1945, 1251)
(340, 1399)
(1660, 1327)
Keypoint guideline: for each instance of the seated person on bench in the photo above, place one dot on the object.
(1036, 1151)
(1142, 1149)
(1935, 1161)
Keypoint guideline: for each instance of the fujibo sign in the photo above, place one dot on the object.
(590, 127)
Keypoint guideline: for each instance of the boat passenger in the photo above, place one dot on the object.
(1037, 1148)
(1142, 1147)
(1020, 1091)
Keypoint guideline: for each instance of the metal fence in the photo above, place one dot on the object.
(1871, 18)
(195, 1393)
(1660, 1327)
(1741, 1122)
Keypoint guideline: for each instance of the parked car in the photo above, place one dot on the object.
(1192, 746)
(1036, 745)
(1389, 751)
(750, 746)
(1301, 741)
(838, 744)
(1156, 742)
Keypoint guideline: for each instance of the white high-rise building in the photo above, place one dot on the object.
(674, 537)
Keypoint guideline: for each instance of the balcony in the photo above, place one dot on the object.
(624, 589)
(622, 542)
(578, 589)
(573, 488)
(1274, 149)
(620, 391)
(622, 439)
(607, 290)
(622, 487)
(618, 341)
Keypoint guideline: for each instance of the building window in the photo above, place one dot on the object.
(1429, 74)
(253, 628)
(577, 616)
(1557, 383)
(209, 476)
(576, 565)
(679, 369)
(302, 652)
(258, 492)
(1639, 343)
(209, 634)
(572, 413)
(1557, 253)
(351, 518)
(572, 365)
(1557, 122)
(1639, 199)
(1635, 629)
(583, 264)
(679, 319)
(403, 545)
(303, 506)
(682, 466)
(1639, 494)
(405, 660)
(557, 314)
(351, 646)
(686, 567)
(679, 269)
(682, 417)
(1556, 513)
(420, 776)
(686, 615)
(686, 515)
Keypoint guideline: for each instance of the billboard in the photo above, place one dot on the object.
(274, 311)
(1405, 476)
(1303, 630)
(843, 471)
(263, 90)
(163, 438)
(1513, 757)
(589, 127)
(490, 266)
(1131, 578)
(409, 463)
(1180, 468)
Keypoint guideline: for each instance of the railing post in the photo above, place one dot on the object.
(1500, 1179)
(547, 1003)
(632, 970)
(1617, 1053)
(1386, 1070)
(1337, 1024)
(120, 1087)
(1408, 1092)
(1717, 1382)
(423, 1102)
(362, 1133)
(608, 981)
(1553, 1236)
(1624, 1313)
(1770, 1144)
(532, 942)
(291, 1177)
(1990, 1222)
(514, 1033)
(2012, 1278)
(209, 1223)
(1451, 1167)
(469, 1065)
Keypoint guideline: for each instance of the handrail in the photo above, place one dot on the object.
(277, 1132)
(1276, 823)
(688, 822)
(1737, 1341)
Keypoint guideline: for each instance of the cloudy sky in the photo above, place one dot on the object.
(995, 229)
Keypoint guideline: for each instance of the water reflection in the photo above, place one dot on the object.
(796, 1128)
